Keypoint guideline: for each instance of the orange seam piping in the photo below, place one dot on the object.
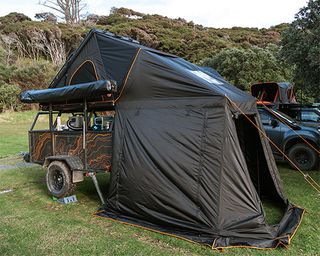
(188, 240)
(94, 68)
(127, 76)
(247, 246)
(149, 229)
(295, 231)
(214, 242)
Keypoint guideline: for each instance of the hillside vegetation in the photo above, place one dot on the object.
(31, 52)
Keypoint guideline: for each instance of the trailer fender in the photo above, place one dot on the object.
(74, 163)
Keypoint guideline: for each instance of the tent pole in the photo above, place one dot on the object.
(84, 130)
(96, 184)
(51, 129)
(258, 168)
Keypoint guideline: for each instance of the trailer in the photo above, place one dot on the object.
(77, 146)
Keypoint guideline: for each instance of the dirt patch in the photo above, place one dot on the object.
(158, 243)
(6, 117)
(105, 224)
(14, 162)
(16, 166)
(53, 207)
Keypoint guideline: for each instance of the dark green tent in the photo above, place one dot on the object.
(186, 159)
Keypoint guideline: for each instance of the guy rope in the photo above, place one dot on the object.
(308, 178)
(307, 142)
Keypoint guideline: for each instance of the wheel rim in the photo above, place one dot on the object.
(302, 157)
(57, 181)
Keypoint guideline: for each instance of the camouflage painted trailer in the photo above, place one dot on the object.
(80, 147)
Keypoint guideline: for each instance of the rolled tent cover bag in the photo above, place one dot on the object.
(87, 91)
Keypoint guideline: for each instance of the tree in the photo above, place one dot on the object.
(69, 10)
(301, 48)
(6, 48)
(126, 12)
(113, 10)
(243, 67)
(46, 16)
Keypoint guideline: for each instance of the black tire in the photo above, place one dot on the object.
(59, 180)
(304, 157)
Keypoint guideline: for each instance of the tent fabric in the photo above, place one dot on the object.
(185, 161)
(112, 58)
(91, 90)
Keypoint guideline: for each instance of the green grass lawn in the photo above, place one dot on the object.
(14, 128)
(31, 223)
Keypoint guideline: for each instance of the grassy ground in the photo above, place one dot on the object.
(14, 128)
(31, 223)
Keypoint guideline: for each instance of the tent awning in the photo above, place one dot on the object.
(83, 91)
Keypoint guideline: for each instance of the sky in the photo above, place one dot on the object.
(209, 13)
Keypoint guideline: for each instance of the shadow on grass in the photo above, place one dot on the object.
(87, 188)
(84, 189)
(273, 211)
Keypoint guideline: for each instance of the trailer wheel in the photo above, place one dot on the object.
(59, 179)
(304, 157)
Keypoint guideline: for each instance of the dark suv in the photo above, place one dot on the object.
(302, 113)
(284, 132)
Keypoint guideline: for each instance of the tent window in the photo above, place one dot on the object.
(85, 73)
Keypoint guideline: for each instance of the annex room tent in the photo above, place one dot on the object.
(186, 159)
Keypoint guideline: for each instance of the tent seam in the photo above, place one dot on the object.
(78, 68)
(221, 172)
(128, 74)
(96, 39)
(202, 147)
(119, 169)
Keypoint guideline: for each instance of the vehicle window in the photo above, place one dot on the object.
(310, 116)
(284, 117)
(265, 118)
(296, 115)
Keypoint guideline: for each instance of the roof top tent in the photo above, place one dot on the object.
(186, 160)
(274, 93)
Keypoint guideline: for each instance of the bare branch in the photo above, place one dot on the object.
(70, 9)
(53, 8)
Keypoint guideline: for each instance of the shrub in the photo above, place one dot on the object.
(8, 97)
(31, 74)
(243, 67)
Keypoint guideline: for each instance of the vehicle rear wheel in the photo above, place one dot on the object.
(304, 157)
(59, 180)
